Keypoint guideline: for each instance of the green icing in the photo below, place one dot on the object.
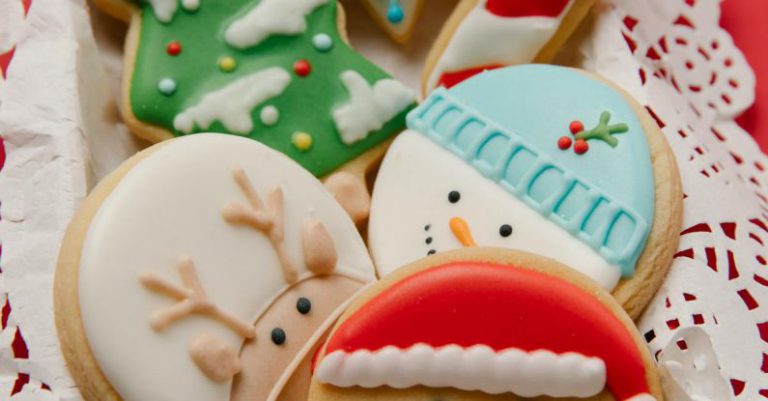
(306, 105)
(603, 131)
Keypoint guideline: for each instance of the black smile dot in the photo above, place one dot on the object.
(505, 230)
(427, 227)
(431, 252)
(428, 240)
(278, 336)
(454, 196)
(303, 305)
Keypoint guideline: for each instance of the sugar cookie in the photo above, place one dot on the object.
(488, 34)
(484, 324)
(205, 268)
(545, 159)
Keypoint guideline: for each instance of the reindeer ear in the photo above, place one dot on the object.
(350, 191)
(319, 250)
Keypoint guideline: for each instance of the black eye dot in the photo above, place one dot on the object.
(278, 336)
(454, 196)
(303, 305)
(505, 230)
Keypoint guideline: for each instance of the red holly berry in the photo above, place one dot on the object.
(580, 147)
(302, 68)
(576, 127)
(173, 48)
(564, 142)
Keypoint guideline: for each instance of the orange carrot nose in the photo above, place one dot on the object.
(461, 231)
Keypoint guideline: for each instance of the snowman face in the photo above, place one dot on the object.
(427, 200)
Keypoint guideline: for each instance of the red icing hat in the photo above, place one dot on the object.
(487, 327)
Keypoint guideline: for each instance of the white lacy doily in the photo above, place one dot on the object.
(706, 326)
(674, 58)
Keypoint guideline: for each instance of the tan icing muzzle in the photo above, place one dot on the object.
(461, 231)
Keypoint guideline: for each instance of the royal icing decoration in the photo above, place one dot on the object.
(270, 17)
(164, 9)
(232, 104)
(482, 164)
(369, 107)
(258, 233)
(485, 327)
(398, 17)
(269, 115)
(238, 55)
(498, 33)
(167, 86)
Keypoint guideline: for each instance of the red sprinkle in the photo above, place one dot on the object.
(302, 68)
(576, 127)
(564, 142)
(173, 48)
(580, 147)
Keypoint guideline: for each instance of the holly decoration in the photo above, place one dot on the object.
(603, 131)
(188, 47)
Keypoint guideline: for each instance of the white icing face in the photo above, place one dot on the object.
(421, 188)
(170, 204)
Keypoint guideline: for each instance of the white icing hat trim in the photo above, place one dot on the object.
(527, 374)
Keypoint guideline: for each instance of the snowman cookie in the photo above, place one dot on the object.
(205, 268)
(397, 17)
(484, 324)
(276, 71)
(488, 34)
(545, 159)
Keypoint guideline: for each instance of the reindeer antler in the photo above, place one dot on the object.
(268, 220)
(192, 300)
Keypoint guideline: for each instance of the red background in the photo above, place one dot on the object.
(746, 21)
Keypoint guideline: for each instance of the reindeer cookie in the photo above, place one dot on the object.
(488, 34)
(545, 159)
(481, 325)
(205, 268)
(277, 71)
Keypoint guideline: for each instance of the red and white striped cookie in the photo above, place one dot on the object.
(488, 34)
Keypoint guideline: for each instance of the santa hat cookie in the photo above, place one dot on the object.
(276, 71)
(488, 34)
(205, 268)
(474, 324)
(540, 158)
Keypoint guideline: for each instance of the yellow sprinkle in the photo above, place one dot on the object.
(227, 64)
(302, 141)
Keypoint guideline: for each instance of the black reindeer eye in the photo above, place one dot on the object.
(454, 196)
(278, 336)
(505, 230)
(303, 305)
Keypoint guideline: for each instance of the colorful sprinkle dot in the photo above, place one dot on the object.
(576, 127)
(167, 86)
(564, 142)
(395, 13)
(173, 48)
(227, 64)
(580, 147)
(269, 115)
(190, 5)
(302, 141)
(322, 42)
(302, 68)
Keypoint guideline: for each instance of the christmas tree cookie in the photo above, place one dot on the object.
(545, 159)
(484, 325)
(487, 34)
(205, 268)
(276, 71)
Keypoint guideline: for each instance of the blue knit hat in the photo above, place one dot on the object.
(524, 128)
